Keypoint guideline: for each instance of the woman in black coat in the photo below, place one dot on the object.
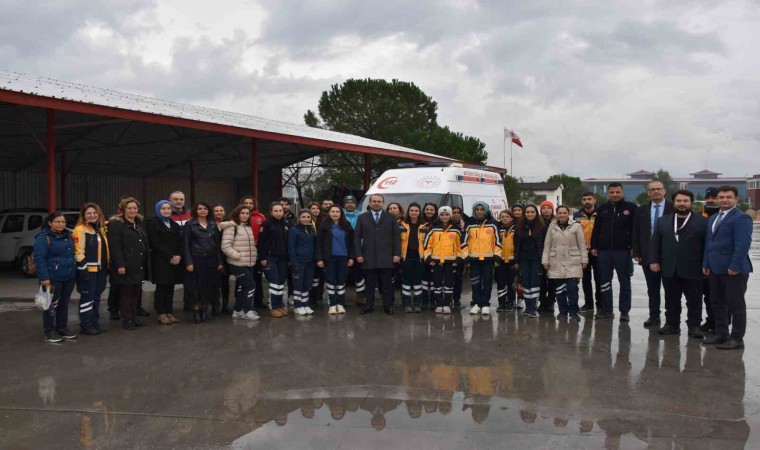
(202, 259)
(129, 247)
(165, 236)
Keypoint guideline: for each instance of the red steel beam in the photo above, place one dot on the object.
(50, 147)
(255, 168)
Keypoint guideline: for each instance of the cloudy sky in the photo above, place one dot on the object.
(593, 88)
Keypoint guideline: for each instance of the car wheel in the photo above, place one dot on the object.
(26, 262)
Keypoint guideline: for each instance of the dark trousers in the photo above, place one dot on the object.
(615, 262)
(258, 296)
(591, 282)
(546, 295)
(245, 287)
(163, 299)
(336, 271)
(505, 290)
(710, 317)
(224, 289)
(90, 286)
(411, 281)
(443, 283)
(356, 276)
(56, 317)
(303, 275)
(481, 278)
(531, 274)
(113, 298)
(276, 272)
(317, 286)
(727, 296)
(380, 278)
(676, 287)
(129, 296)
(654, 282)
(427, 285)
(458, 279)
(566, 293)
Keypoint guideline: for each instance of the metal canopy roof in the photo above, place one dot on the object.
(106, 131)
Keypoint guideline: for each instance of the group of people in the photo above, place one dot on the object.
(536, 255)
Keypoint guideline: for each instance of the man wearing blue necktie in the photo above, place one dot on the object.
(727, 263)
(644, 221)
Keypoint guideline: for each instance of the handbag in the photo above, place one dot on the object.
(44, 297)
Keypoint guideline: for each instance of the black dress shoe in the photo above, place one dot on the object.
(696, 333)
(652, 321)
(731, 344)
(668, 329)
(624, 317)
(139, 323)
(366, 311)
(705, 328)
(91, 331)
(715, 340)
(129, 326)
(141, 312)
(388, 311)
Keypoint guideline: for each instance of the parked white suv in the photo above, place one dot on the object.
(18, 227)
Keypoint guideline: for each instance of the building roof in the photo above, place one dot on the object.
(154, 135)
(542, 186)
(705, 172)
(641, 172)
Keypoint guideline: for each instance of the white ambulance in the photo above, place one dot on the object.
(445, 184)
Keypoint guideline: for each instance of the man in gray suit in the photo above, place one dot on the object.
(378, 247)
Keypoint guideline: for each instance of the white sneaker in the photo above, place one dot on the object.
(291, 301)
(300, 311)
(475, 309)
(341, 309)
(251, 315)
(446, 310)
(332, 310)
(309, 310)
(485, 310)
(439, 310)
(238, 315)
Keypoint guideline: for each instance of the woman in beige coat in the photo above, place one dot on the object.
(564, 259)
(240, 247)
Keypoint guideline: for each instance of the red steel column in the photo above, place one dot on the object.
(50, 144)
(255, 168)
(192, 183)
(366, 172)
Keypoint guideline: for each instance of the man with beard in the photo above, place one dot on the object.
(586, 217)
(677, 247)
(644, 221)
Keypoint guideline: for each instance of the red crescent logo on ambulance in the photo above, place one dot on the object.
(387, 182)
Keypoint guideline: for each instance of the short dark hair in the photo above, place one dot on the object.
(273, 204)
(194, 212)
(51, 217)
(565, 207)
(682, 192)
(246, 197)
(455, 208)
(614, 184)
(285, 199)
(727, 188)
(377, 195)
(588, 194)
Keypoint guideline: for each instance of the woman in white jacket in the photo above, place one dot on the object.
(564, 259)
(240, 247)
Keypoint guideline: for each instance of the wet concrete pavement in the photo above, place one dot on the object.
(407, 381)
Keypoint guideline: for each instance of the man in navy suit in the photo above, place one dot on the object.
(726, 262)
(676, 251)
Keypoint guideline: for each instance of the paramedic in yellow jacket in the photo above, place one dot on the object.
(505, 272)
(412, 267)
(481, 246)
(443, 252)
(586, 217)
(92, 258)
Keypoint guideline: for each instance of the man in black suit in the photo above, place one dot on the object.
(677, 247)
(378, 247)
(643, 226)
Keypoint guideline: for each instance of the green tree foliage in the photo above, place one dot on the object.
(670, 186)
(395, 112)
(574, 188)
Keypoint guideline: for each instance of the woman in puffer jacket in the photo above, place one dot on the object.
(564, 258)
(239, 246)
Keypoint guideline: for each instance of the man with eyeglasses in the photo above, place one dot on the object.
(644, 221)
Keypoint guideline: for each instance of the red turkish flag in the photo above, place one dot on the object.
(509, 134)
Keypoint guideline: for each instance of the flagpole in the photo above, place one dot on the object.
(511, 170)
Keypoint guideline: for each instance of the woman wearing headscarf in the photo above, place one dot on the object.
(92, 256)
(165, 236)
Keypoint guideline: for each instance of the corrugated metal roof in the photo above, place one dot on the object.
(51, 88)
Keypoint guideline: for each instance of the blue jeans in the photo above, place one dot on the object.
(566, 291)
(336, 271)
(621, 263)
(90, 286)
(531, 274)
(57, 316)
(303, 275)
(481, 278)
(245, 287)
(276, 272)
